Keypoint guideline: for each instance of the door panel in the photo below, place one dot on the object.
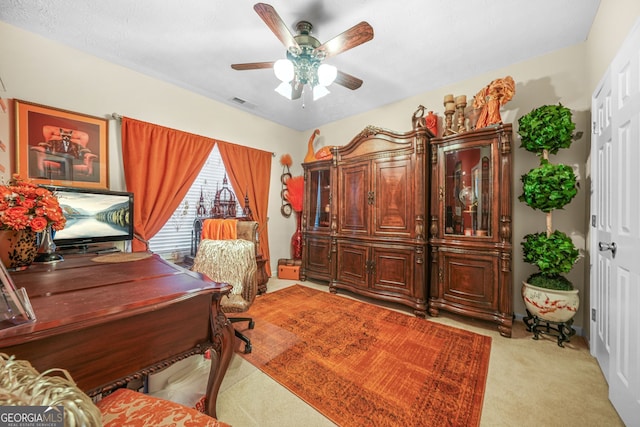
(352, 266)
(317, 261)
(624, 360)
(469, 279)
(354, 194)
(601, 209)
(393, 198)
(393, 269)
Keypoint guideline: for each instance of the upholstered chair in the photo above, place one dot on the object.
(234, 262)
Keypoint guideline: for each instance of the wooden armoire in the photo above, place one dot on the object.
(364, 217)
(416, 220)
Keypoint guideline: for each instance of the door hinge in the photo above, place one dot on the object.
(593, 128)
(593, 221)
(593, 314)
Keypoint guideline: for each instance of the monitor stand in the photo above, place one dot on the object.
(98, 248)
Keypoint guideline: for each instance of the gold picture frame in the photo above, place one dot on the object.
(60, 147)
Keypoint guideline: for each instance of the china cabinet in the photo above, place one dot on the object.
(470, 225)
(316, 216)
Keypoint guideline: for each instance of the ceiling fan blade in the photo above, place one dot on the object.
(276, 25)
(347, 80)
(252, 66)
(354, 36)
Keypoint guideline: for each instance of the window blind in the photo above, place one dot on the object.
(173, 241)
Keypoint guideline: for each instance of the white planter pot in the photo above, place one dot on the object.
(549, 304)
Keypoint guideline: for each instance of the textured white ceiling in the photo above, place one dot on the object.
(417, 46)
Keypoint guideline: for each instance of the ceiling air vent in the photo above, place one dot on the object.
(242, 102)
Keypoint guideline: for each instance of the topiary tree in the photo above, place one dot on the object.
(548, 187)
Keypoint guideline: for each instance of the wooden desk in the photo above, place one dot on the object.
(110, 323)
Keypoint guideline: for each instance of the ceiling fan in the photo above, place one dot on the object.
(305, 55)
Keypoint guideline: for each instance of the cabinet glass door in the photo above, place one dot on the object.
(467, 191)
(319, 206)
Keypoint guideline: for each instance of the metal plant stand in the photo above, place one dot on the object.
(562, 330)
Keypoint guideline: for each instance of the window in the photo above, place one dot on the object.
(173, 241)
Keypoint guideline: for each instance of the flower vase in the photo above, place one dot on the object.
(47, 250)
(17, 248)
(296, 239)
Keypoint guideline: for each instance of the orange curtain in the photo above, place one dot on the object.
(160, 165)
(249, 171)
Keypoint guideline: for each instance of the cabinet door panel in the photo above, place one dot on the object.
(317, 262)
(352, 263)
(469, 279)
(319, 190)
(393, 269)
(354, 197)
(394, 197)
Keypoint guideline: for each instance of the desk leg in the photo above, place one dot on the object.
(222, 336)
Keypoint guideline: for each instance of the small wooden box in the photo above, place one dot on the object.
(291, 272)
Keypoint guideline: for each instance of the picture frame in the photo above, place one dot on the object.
(60, 147)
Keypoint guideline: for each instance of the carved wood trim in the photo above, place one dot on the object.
(157, 367)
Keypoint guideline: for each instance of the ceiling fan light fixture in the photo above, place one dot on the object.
(283, 69)
(285, 90)
(319, 91)
(303, 67)
(326, 74)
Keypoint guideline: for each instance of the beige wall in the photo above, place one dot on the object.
(610, 27)
(549, 79)
(37, 70)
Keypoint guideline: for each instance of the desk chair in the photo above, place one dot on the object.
(233, 262)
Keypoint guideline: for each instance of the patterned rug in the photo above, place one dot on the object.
(363, 365)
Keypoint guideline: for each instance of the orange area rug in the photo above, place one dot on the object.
(363, 365)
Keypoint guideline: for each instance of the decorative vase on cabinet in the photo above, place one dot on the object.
(470, 230)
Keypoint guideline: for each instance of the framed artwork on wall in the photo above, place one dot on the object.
(59, 147)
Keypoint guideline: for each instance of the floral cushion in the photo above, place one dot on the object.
(128, 408)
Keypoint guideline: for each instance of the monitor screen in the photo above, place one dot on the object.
(94, 216)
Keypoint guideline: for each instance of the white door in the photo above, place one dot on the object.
(624, 265)
(601, 223)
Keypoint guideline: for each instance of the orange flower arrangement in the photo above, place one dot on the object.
(295, 192)
(27, 206)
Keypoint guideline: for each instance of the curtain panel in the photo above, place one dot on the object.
(249, 172)
(160, 164)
